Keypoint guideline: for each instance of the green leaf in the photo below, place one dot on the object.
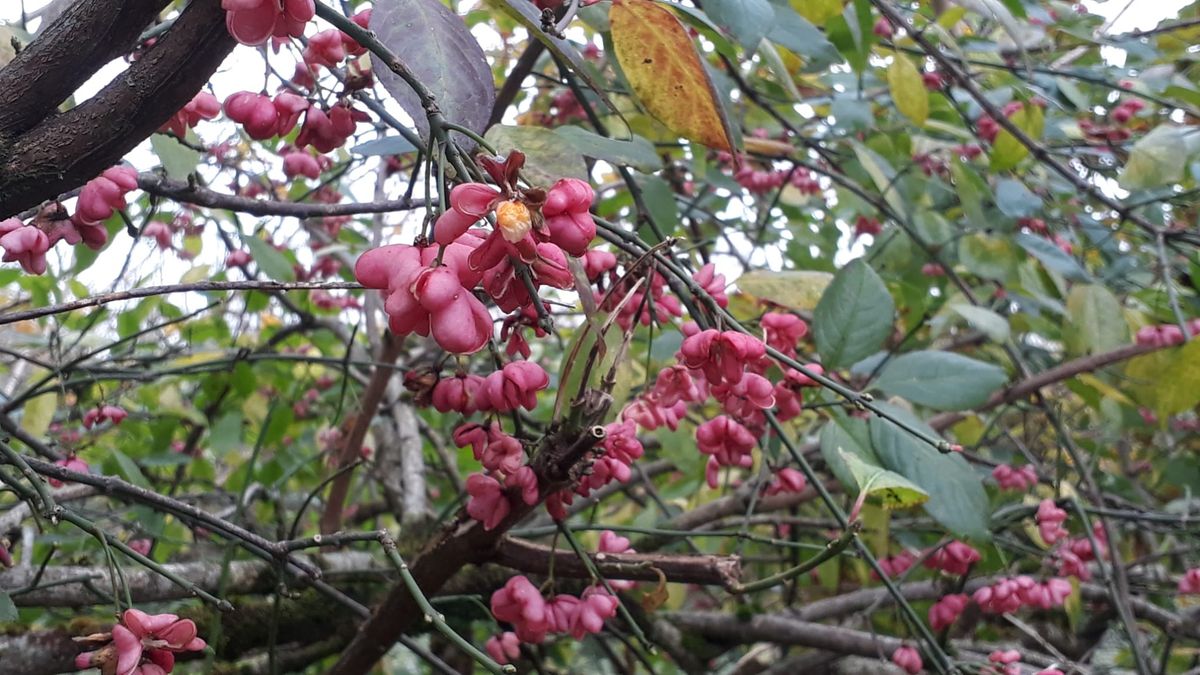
(388, 145)
(1156, 159)
(957, 499)
(941, 380)
(819, 11)
(8, 609)
(933, 228)
(794, 289)
(989, 257)
(439, 50)
(225, 435)
(1165, 381)
(571, 382)
(196, 274)
(546, 158)
(796, 34)
(972, 192)
(844, 434)
(637, 152)
(908, 90)
(177, 159)
(984, 320)
(269, 260)
(892, 490)
(129, 469)
(854, 316)
(1052, 257)
(1015, 200)
(1007, 151)
(660, 200)
(1097, 320)
(883, 175)
(746, 20)
(37, 414)
(851, 113)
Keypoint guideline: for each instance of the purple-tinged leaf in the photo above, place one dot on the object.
(437, 47)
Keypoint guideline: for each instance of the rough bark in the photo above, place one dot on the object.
(87, 35)
(70, 148)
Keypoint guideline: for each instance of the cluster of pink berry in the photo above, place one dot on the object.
(533, 617)
(1015, 478)
(762, 178)
(92, 418)
(100, 197)
(1070, 554)
(989, 128)
(955, 557)
(143, 644)
(565, 108)
(203, 106)
(1006, 662)
(253, 22)
(1009, 595)
(1118, 130)
(428, 288)
(1189, 583)
(731, 368)
(658, 307)
(1050, 521)
(1162, 335)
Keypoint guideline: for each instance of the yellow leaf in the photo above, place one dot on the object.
(818, 11)
(665, 71)
(38, 413)
(1165, 380)
(908, 90)
(1105, 388)
(1007, 151)
(794, 289)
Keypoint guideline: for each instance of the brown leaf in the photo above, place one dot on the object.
(663, 67)
(654, 599)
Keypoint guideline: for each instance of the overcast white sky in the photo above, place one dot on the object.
(243, 71)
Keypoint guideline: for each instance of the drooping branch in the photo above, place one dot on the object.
(87, 35)
(68, 149)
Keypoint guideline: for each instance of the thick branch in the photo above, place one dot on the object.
(37, 653)
(467, 542)
(783, 630)
(356, 431)
(83, 38)
(710, 570)
(68, 149)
